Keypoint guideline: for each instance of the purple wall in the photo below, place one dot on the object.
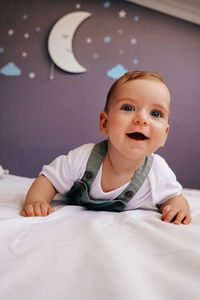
(42, 118)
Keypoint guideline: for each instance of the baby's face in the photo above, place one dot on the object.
(137, 119)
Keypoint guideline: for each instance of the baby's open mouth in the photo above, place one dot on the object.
(137, 136)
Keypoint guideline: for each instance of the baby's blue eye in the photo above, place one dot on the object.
(127, 108)
(156, 114)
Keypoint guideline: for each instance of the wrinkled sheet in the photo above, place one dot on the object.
(78, 254)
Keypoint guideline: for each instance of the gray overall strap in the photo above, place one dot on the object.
(95, 160)
(137, 180)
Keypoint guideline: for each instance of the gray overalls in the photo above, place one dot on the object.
(79, 193)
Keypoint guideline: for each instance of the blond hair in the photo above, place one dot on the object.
(132, 75)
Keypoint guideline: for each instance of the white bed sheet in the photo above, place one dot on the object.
(78, 254)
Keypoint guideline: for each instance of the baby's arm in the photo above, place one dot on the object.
(176, 210)
(39, 196)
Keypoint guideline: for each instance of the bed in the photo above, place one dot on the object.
(78, 254)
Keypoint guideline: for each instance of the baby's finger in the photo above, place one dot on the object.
(44, 209)
(165, 211)
(23, 213)
(170, 215)
(29, 210)
(180, 217)
(37, 209)
(187, 220)
(50, 210)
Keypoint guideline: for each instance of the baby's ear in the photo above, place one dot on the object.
(165, 137)
(103, 118)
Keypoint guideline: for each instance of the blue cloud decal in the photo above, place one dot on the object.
(116, 72)
(10, 70)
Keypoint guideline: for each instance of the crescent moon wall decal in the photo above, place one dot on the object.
(60, 41)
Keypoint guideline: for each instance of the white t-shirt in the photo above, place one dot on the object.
(159, 186)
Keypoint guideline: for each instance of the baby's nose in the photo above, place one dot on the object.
(141, 119)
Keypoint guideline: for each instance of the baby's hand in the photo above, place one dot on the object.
(176, 210)
(37, 209)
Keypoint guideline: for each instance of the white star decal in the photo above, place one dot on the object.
(122, 13)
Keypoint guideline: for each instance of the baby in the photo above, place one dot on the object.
(122, 172)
